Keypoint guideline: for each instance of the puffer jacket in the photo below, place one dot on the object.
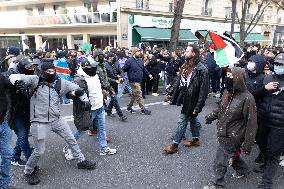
(82, 117)
(272, 105)
(237, 116)
(45, 100)
(196, 92)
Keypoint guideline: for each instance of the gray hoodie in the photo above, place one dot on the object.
(44, 105)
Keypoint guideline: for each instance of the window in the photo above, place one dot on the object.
(40, 10)
(59, 9)
(172, 5)
(139, 4)
(29, 11)
(88, 7)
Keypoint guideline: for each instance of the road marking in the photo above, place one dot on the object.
(70, 118)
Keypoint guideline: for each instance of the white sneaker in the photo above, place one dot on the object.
(68, 155)
(281, 158)
(281, 163)
(108, 151)
(155, 94)
(64, 150)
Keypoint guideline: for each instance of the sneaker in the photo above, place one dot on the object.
(192, 143)
(68, 155)
(238, 175)
(170, 149)
(155, 94)
(64, 150)
(123, 118)
(33, 179)
(213, 186)
(86, 165)
(281, 163)
(110, 115)
(19, 162)
(92, 133)
(131, 110)
(108, 151)
(146, 112)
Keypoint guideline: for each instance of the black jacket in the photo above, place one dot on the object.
(173, 67)
(4, 85)
(272, 105)
(196, 93)
(113, 72)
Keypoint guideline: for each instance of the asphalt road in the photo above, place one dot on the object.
(139, 163)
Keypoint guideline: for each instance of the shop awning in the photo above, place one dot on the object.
(252, 37)
(163, 34)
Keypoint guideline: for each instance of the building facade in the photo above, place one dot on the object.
(69, 23)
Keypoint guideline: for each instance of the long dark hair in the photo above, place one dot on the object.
(188, 66)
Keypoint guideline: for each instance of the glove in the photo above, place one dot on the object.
(22, 88)
(79, 92)
(207, 120)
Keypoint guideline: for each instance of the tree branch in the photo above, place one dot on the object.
(256, 17)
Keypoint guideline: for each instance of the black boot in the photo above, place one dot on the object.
(86, 165)
(33, 178)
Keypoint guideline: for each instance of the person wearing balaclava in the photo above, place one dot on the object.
(271, 108)
(45, 92)
(236, 127)
(115, 77)
(19, 114)
(89, 81)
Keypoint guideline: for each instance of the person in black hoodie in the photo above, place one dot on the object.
(271, 108)
(115, 77)
(6, 151)
(254, 82)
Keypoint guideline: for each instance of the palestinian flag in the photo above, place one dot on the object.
(227, 51)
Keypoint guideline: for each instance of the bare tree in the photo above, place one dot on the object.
(176, 23)
(246, 25)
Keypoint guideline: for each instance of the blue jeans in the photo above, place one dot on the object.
(66, 100)
(6, 153)
(121, 88)
(182, 125)
(98, 117)
(22, 129)
(114, 103)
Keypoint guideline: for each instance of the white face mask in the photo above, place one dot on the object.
(251, 67)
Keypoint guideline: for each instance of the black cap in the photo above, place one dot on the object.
(47, 65)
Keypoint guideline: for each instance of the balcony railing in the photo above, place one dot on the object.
(206, 11)
(86, 18)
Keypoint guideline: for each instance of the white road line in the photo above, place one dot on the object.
(70, 118)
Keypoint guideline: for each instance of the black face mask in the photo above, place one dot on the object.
(229, 84)
(50, 78)
(90, 71)
(29, 72)
(101, 58)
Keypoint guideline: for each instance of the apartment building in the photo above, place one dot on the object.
(69, 23)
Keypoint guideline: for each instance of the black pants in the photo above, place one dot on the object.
(214, 82)
(223, 154)
(275, 146)
(155, 81)
(146, 86)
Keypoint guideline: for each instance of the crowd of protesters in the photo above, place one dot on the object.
(250, 108)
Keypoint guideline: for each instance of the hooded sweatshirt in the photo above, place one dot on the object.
(237, 122)
(95, 90)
